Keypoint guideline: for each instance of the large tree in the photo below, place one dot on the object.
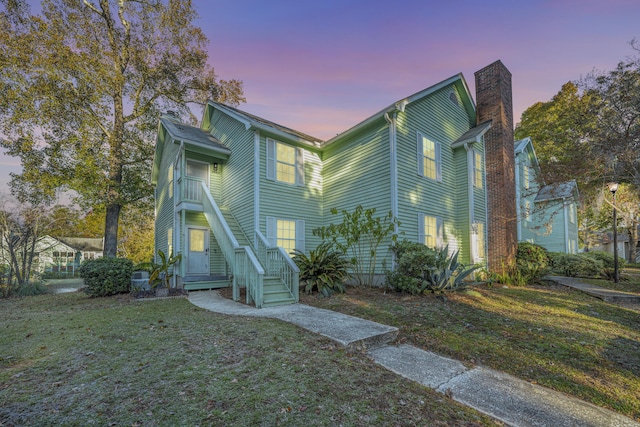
(561, 129)
(616, 136)
(590, 131)
(83, 85)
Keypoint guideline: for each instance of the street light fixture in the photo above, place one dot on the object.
(613, 187)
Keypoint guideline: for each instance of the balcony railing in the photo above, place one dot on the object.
(191, 189)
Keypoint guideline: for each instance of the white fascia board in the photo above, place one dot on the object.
(222, 152)
(397, 106)
(252, 124)
(247, 124)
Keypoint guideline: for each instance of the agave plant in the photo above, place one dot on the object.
(324, 268)
(448, 275)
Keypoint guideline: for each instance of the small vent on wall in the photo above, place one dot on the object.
(453, 98)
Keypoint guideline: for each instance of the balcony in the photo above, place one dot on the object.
(189, 193)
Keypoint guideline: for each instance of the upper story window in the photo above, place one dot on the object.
(477, 169)
(285, 163)
(429, 158)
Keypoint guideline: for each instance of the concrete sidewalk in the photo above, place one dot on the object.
(607, 295)
(501, 396)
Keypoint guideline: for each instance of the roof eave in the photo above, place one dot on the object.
(253, 124)
(400, 105)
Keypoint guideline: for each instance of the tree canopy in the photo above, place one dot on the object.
(590, 132)
(83, 85)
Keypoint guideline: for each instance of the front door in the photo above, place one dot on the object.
(198, 251)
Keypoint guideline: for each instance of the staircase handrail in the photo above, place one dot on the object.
(246, 269)
(278, 263)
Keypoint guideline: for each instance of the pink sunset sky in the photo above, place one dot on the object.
(322, 66)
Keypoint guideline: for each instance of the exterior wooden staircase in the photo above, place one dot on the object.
(275, 291)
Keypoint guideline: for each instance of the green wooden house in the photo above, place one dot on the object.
(547, 214)
(236, 195)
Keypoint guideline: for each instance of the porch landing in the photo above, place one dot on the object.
(193, 283)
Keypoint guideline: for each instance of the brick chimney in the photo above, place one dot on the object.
(494, 102)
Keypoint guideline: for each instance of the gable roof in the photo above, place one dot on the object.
(184, 133)
(252, 121)
(190, 134)
(472, 135)
(521, 146)
(559, 190)
(457, 80)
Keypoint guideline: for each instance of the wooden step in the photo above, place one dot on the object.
(275, 293)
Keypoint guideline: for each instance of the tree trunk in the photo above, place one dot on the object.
(111, 230)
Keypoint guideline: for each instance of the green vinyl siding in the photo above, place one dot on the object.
(357, 172)
(439, 119)
(164, 193)
(236, 175)
(293, 202)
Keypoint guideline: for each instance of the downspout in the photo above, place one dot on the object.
(394, 170)
(470, 165)
(566, 225)
(256, 186)
(179, 164)
(518, 196)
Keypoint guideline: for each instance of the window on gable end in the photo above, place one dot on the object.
(453, 98)
(429, 158)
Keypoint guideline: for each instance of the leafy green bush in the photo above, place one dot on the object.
(578, 265)
(31, 289)
(532, 261)
(402, 283)
(607, 262)
(324, 269)
(414, 258)
(106, 276)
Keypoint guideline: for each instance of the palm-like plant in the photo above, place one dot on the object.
(324, 268)
(160, 274)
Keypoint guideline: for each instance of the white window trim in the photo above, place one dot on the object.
(439, 229)
(272, 162)
(272, 231)
(420, 155)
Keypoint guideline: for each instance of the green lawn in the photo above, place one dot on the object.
(70, 360)
(549, 335)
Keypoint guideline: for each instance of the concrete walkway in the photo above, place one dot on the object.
(501, 396)
(607, 295)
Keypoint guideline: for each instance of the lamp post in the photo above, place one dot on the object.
(613, 187)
